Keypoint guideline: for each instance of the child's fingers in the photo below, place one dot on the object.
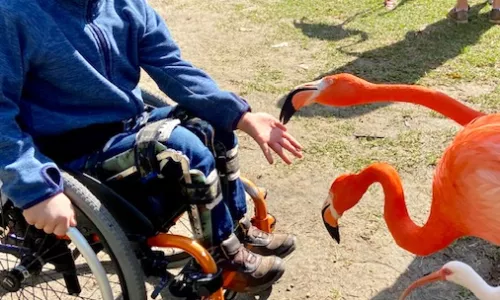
(288, 146)
(72, 219)
(267, 152)
(292, 140)
(72, 222)
(279, 150)
(61, 229)
(281, 126)
(49, 228)
(40, 224)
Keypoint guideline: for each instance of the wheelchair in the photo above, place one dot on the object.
(130, 245)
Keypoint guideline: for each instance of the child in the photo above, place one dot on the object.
(69, 72)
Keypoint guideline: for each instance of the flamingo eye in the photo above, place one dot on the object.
(447, 272)
(325, 83)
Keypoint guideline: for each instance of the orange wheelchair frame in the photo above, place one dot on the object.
(261, 219)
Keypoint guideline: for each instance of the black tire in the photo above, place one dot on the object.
(114, 239)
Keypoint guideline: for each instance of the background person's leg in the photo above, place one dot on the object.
(460, 13)
(495, 12)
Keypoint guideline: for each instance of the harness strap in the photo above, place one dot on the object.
(204, 190)
(146, 146)
(232, 164)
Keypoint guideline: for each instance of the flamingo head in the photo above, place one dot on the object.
(343, 195)
(454, 271)
(336, 90)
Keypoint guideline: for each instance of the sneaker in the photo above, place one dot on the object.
(254, 273)
(459, 16)
(263, 243)
(495, 16)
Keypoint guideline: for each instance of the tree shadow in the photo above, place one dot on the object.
(479, 254)
(324, 31)
(405, 61)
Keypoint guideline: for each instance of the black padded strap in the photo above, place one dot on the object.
(146, 142)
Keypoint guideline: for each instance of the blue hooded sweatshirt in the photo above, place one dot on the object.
(68, 64)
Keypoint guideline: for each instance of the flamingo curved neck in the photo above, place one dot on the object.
(434, 100)
(479, 287)
(433, 236)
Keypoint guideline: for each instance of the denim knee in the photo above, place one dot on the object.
(200, 157)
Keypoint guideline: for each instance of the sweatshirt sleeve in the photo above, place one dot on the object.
(185, 84)
(27, 176)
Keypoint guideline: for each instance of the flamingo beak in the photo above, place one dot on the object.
(331, 223)
(434, 276)
(299, 97)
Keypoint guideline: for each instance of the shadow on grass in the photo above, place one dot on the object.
(324, 31)
(403, 62)
(480, 255)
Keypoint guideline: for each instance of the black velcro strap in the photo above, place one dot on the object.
(203, 193)
(232, 166)
(146, 146)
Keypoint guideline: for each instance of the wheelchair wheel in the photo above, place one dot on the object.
(40, 266)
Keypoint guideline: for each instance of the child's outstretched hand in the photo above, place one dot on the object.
(270, 133)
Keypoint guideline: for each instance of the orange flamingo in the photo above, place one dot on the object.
(349, 90)
(466, 185)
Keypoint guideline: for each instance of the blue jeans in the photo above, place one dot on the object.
(233, 206)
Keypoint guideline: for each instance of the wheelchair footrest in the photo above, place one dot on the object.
(196, 284)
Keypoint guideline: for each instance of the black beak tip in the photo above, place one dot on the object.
(287, 110)
(333, 231)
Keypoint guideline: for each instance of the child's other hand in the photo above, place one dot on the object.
(54, 215)
(270, 133)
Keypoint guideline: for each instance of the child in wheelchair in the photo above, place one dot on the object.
(69, 96)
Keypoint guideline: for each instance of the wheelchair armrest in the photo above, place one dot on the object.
(131, 220)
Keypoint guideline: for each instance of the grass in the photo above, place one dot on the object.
(414, 44)
(265, 80)
(489, 102)
(407, 151)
